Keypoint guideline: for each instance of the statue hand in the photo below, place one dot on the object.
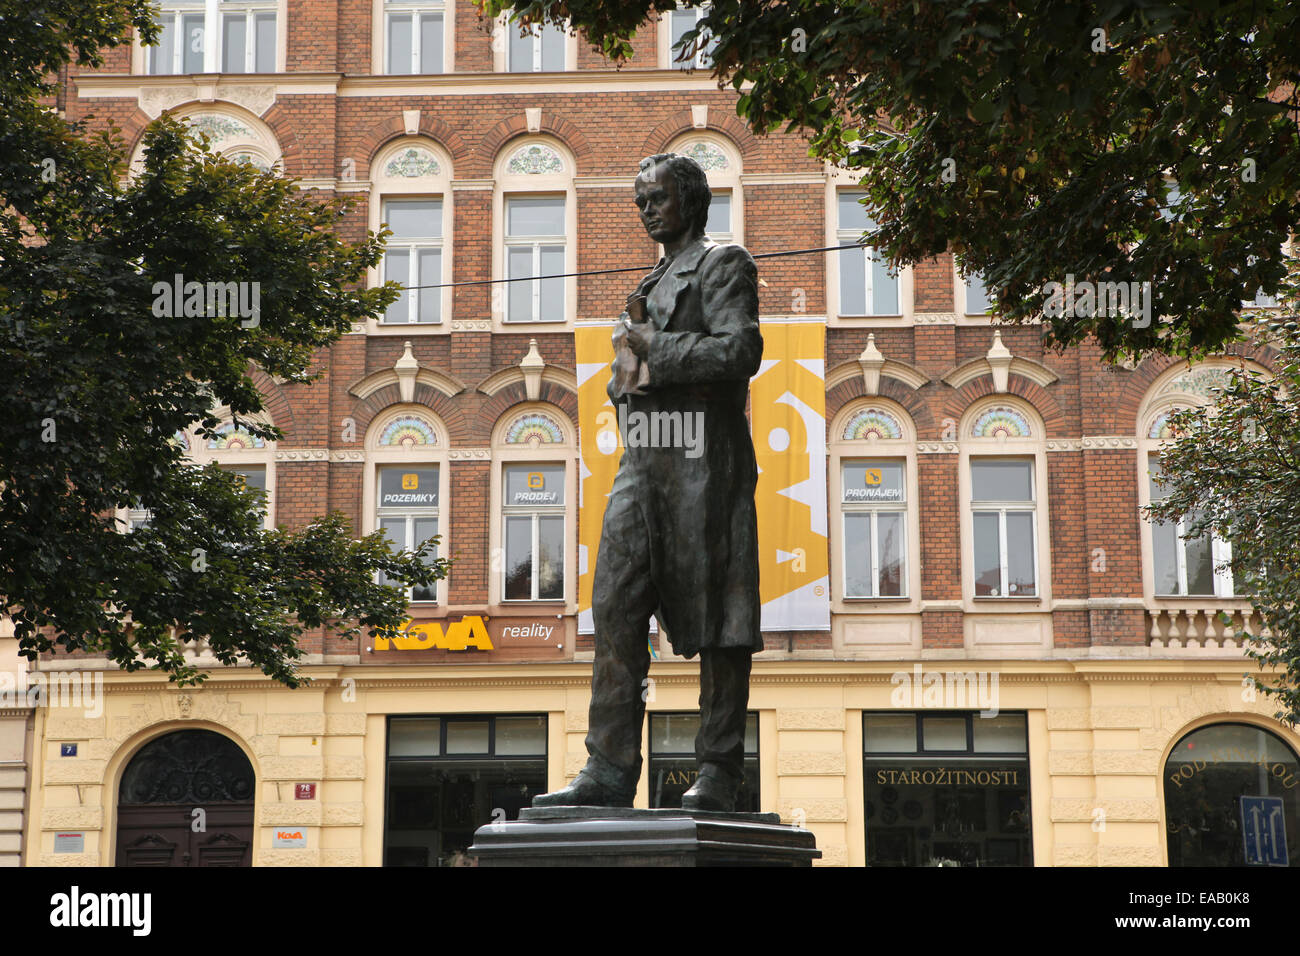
(640, 335)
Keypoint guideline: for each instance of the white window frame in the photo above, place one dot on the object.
(535, 512)
(850, 236)
(536, 243)
(563, 453)
(1220, 553)
(962, 291)
(417, 10)
(875, 509)
(702, 59)
(1034, 450)
(1002, 508)
(214, 13)
(412, 514)
(508, 185)
(535, 32)
(502, 36)
(840, 180)
(422, 456)
(413, 246)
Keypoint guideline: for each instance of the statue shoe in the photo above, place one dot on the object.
(583, 792)
(714, 789)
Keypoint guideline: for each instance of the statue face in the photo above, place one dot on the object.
(661, 214)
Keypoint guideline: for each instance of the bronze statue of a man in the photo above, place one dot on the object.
(680, 538)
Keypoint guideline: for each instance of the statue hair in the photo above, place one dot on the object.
(693, 191)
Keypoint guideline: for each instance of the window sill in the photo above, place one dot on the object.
(1028, 599)
(892, 599)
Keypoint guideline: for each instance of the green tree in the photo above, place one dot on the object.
(1233, 470)
(1036, 141)
(1133, 140)
(98, 378)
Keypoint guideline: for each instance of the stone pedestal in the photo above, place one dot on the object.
(613, 836)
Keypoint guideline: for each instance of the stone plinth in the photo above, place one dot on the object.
(614, 836)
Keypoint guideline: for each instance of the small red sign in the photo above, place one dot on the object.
(304, 791)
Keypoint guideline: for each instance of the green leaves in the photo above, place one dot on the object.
(97, 383)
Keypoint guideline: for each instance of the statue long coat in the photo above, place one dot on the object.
(700, 522)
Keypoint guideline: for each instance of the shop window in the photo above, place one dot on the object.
(673, 766)
(1004, 522)
(535, 241)
(408, 514)
(413, 257)
(414, 36)
(1232, 798)
(874, 512)
(946, 789)
(533, 513)
(867, 285)
(450, 775)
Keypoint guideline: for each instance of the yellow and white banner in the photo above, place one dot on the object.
(788, 422)
(600, 448)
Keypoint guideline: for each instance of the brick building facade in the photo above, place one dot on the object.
(1109, 655)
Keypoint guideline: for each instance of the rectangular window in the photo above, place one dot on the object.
(247, 37)
(1004, 522)
(533, 512)
(873, 497)
(867, 286)
(413, 257)
(415, 37)
(977, 295)
(680, 22)
(408, 514)
(718, 225)
(540, 50)
(947, 789)
(450, 775)
(673, 766)
(535, 242)
(243, 32)
(1185, 566)
(254, 477)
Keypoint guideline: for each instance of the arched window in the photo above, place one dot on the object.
(873, 481)
(411, 195)
(535, 222)
(722, 165)
(1177, 566)
(1003, 485)
(1232, 798)
(231, 131)
(405, 486)
(534, 490)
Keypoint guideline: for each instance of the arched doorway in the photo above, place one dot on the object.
(186, 799)
(1232, 798)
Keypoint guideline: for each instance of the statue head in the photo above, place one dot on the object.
(673, 195)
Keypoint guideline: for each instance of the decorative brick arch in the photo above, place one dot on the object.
(290, 149)
(490, 412)
(853, 389)
(133, 128)
(682, 122)
(277, 405)
(385, 131)
(1138, 384)
(364, 411)
(496, 139)
(958, 401)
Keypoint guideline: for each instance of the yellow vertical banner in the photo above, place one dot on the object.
(788, 422)
(600, 448)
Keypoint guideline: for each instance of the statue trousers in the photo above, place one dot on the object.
(624, 599)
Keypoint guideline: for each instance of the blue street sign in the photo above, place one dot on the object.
(1263, 830)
